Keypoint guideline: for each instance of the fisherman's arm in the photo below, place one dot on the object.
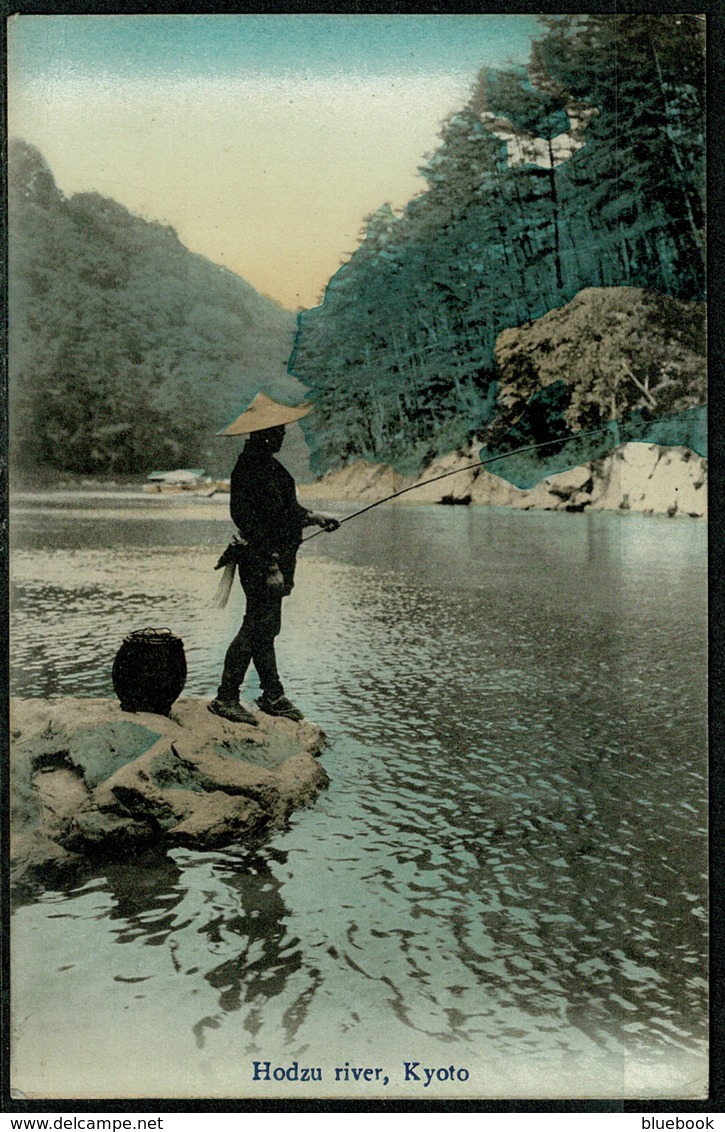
(316, 519)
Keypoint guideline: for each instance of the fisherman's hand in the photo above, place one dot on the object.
(326, 522)
(274, 580)
(234, 553)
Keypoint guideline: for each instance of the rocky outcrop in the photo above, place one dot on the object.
(88, 778)
(641, 477)
(360, 480)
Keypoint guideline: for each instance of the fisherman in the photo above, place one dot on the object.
(269, 521)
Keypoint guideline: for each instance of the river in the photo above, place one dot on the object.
(507, 878)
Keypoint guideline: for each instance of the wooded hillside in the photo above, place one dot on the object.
(127, 351)
(584, 171)
(548, 280)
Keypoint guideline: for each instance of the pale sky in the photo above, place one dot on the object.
(264, 140)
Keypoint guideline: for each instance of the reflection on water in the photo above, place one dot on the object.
(509, 867)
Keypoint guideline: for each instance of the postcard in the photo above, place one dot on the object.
(358, 461)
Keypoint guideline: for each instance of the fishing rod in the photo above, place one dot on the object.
(489, 460)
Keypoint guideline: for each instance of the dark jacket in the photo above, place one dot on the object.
(264, 509)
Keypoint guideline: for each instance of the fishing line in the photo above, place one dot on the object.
(491, 460)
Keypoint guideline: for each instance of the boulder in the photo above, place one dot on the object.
(360, 480)
(651, 478)
(454, 488)
(636, 476)
(87, 778)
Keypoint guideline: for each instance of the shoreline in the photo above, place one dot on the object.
(641, 477)
(646, 478)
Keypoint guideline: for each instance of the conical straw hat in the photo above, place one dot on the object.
(265, 413)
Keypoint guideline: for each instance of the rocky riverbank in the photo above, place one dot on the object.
(641, 477)
(88, 779)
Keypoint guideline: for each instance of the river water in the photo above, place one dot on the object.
(506, 880)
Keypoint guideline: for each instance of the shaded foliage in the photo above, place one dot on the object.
(617, 350)
(586, 171)
(127, 351)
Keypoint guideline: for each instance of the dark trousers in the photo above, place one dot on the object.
(254, 643)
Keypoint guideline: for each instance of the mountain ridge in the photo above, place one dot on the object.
(127, 350)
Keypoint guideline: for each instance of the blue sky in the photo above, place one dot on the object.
(264, 140)
(234, 45)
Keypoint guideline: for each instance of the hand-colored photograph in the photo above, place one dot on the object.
(418, 812)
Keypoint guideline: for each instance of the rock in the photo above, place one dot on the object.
(360, 480)
(217, 819)
(453, 487)
(636, 477)
(88, 778)
(650, 478)
(494, 491)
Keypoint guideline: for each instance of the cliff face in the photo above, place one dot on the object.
(649, 478)
(88, 779)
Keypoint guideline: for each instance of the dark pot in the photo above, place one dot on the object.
(149, 671)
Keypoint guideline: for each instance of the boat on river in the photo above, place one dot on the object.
(194, 480)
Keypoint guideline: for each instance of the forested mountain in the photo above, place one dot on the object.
(586, 170)
(550, 279)
(127, 351)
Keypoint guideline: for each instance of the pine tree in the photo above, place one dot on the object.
(584, 171)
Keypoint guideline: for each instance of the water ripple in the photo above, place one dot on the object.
(512, 852)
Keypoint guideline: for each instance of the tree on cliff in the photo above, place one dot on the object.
(618, 350)
(651, 103)
(585, 171)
